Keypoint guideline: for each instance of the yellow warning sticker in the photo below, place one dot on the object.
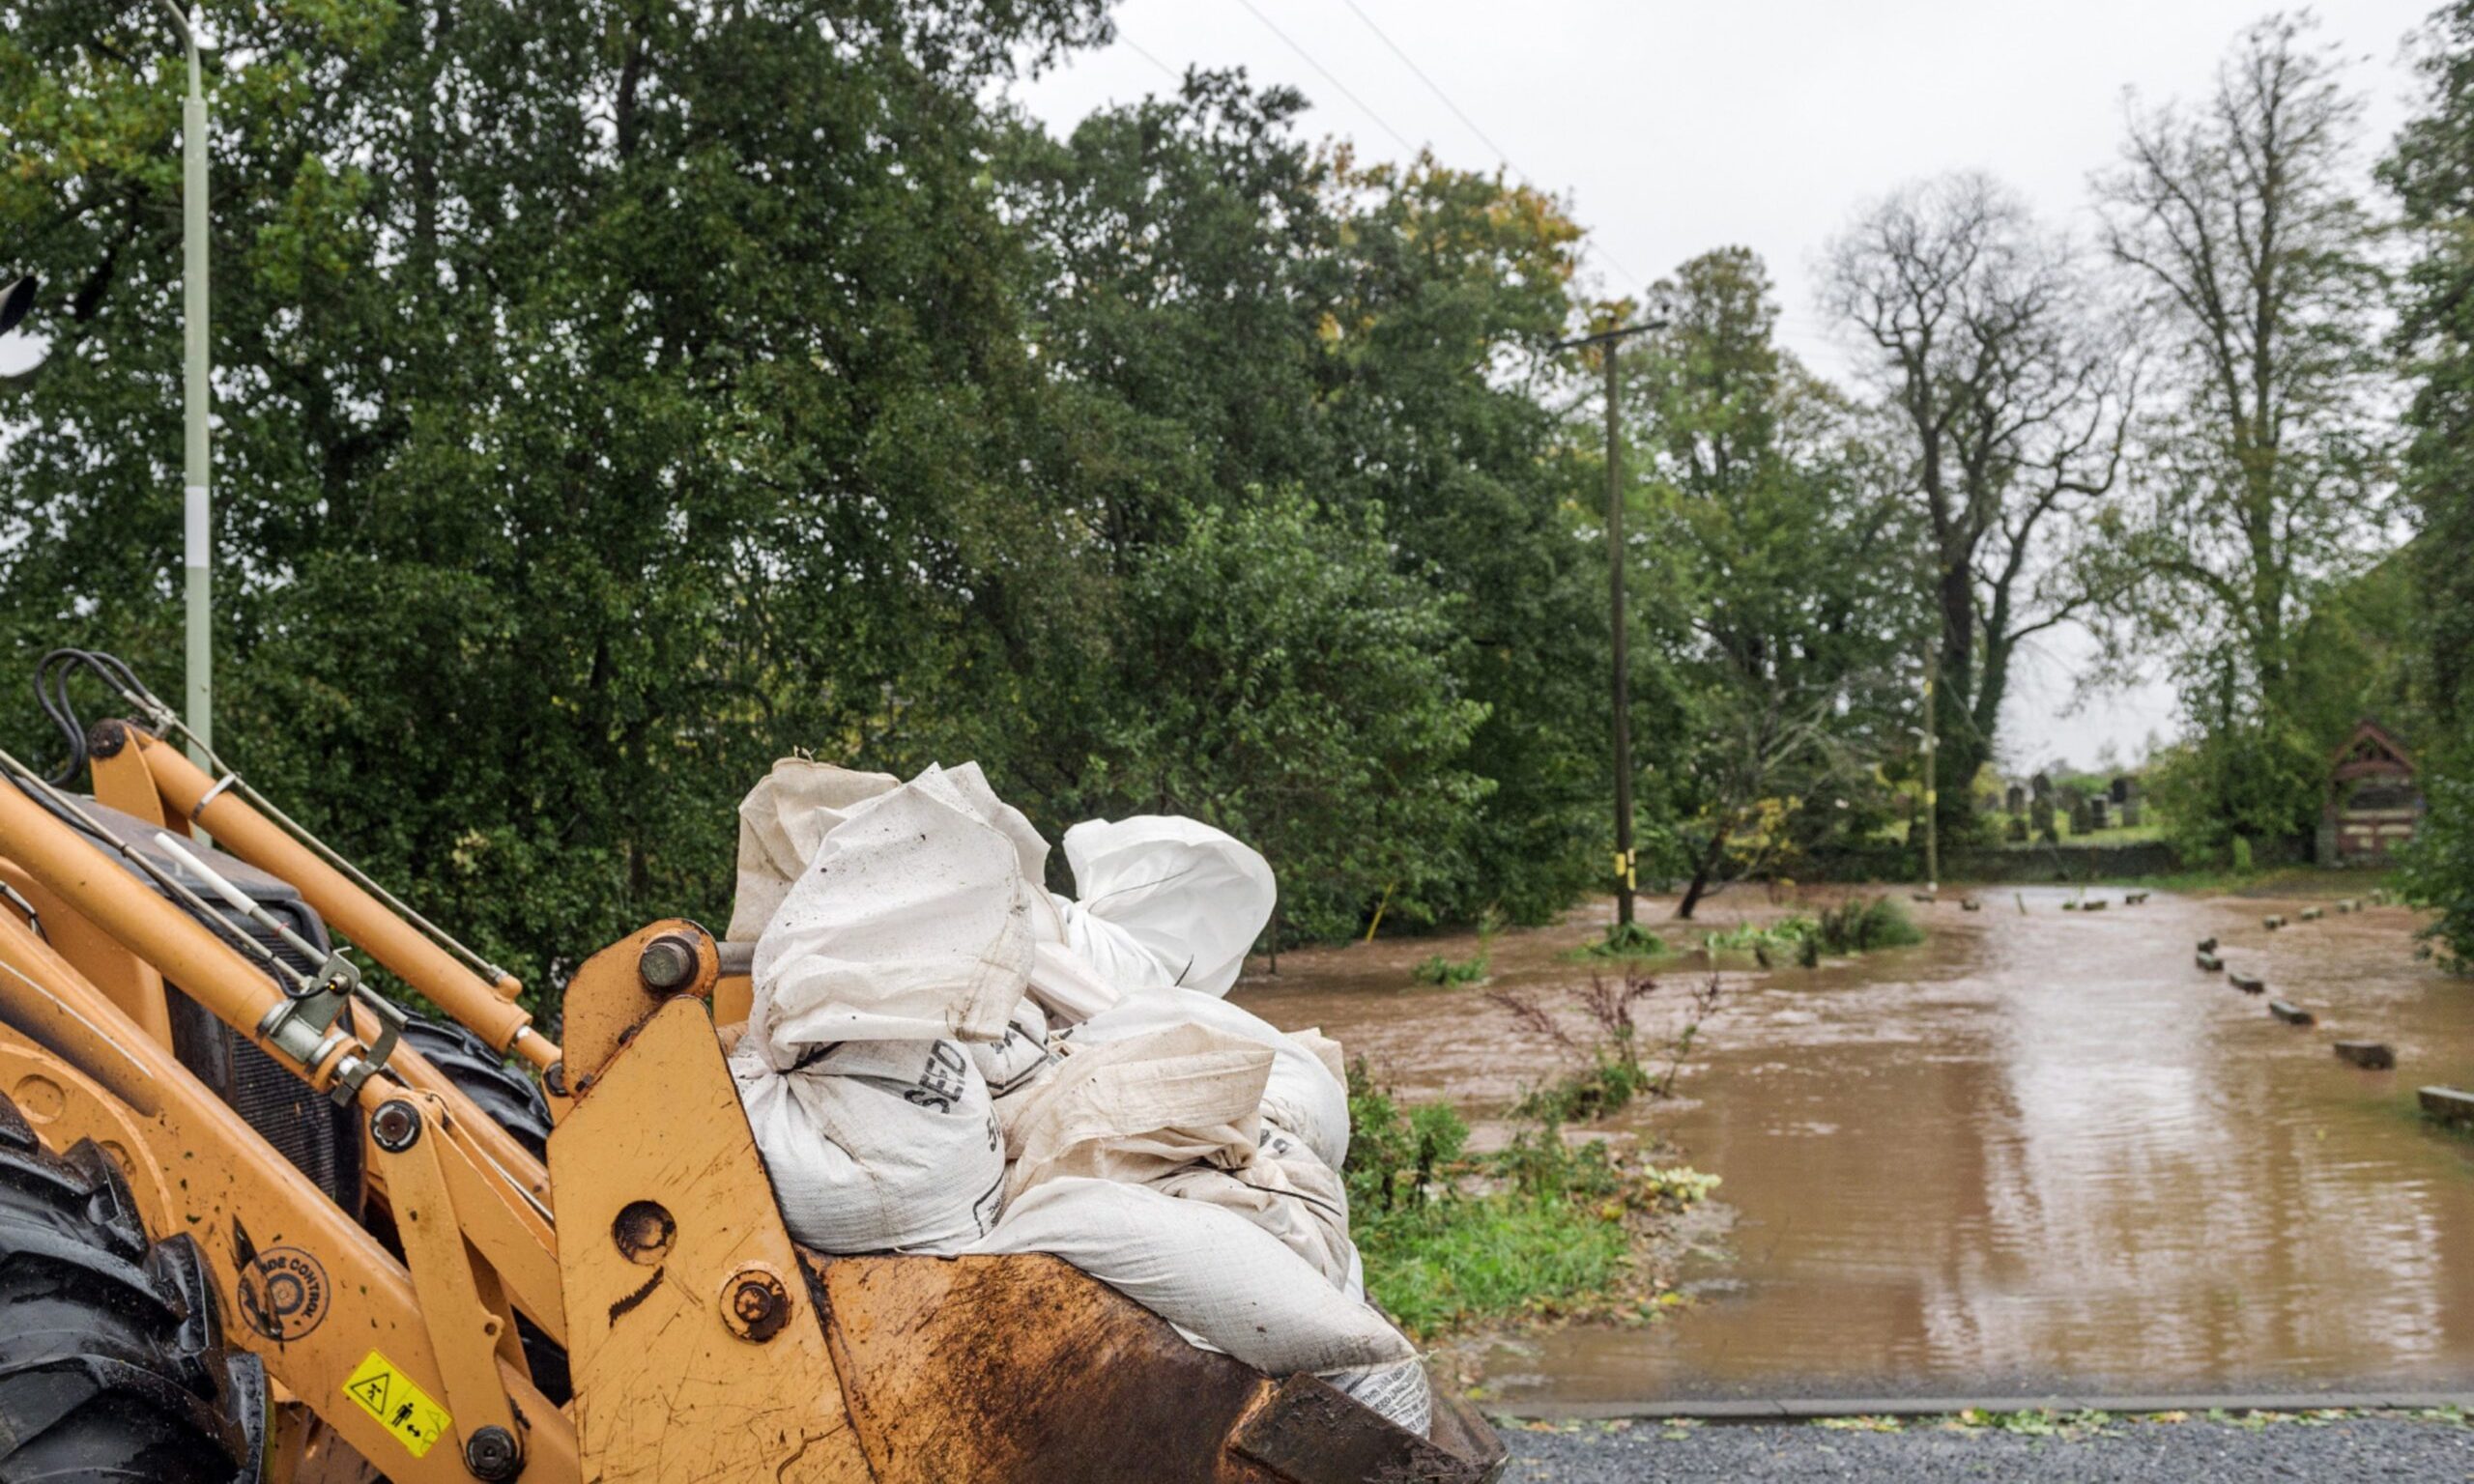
(400, 1406)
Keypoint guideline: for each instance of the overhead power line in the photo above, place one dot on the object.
(1436, 89)
(1462, 114)
(1141, 51)
(1329, 76)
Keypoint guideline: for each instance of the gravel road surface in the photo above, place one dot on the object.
(2193, 1451)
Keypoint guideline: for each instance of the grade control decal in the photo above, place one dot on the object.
(283, 1294)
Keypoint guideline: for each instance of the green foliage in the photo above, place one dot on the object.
(1396, 1154)
(1860, 925)
(1626, 940)
(1298, 691)
(1439, 970)
(2249, 775)
(1761, 938)
(1471, 1258)
(2431, 170)
(1541, 1227)
(1606, 1085)
(1773, 578)
(613, 400)
(2439, 869)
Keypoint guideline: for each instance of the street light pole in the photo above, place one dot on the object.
(1932, 774)
(197, 544)
(1627, 862)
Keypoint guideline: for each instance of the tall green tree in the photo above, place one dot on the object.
(612, 397)
(1782, 561)
(1300, 692)
(2264, 466)
(2004, 376)
(1243, 312)
(2430, 171)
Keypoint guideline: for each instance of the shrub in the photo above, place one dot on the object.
(1861, 924)
(1626, 940)
(2438, 869)
(1439, 970)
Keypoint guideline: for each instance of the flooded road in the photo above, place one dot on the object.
(2040, 1153)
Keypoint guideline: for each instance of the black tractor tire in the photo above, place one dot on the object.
(511, 1096)
(481, 1074)
(112, 1360)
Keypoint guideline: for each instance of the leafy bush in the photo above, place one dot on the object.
(1626, 940)
(1439, 970)
(2252, 779)
(1861, 924)
(1396, 1156)
(2439, 869)
(1612, 1079)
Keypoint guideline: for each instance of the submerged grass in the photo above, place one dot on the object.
(1439, 970)
(1625, 940)
(1860, 925)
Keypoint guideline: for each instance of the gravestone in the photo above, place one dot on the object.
(2124, 788)
(2014, 799)
(2097, 809)
(2040, 819)
(2082, 817)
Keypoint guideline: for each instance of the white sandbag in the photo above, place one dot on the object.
(1192, 897)
(1400, 1392)
(1224, 1284)
(1326, 1050)
(1302, 1096)
(1067, 986)
(1113, 954)
(1010, 1066)
(877, 1146)
(1141, 1108)
(966, 788)
(914, 921)
(781, 822)
(1285, 1190)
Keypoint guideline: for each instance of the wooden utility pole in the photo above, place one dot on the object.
(1627, 865)
(1620, 627)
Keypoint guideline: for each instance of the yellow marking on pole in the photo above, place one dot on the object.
(379, 1389)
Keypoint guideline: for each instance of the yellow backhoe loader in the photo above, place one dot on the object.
(256, 1222)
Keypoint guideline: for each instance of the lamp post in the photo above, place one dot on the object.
(197, 533)
(1931, 773)
(1627, 863)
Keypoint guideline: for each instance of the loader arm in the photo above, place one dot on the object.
(433, 1329)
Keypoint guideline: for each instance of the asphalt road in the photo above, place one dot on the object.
(2196, 1452)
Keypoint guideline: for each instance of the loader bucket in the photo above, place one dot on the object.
(703, 1342)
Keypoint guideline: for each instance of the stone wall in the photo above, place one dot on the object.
(2044, 863)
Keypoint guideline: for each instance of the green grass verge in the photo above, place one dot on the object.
(1542, 1228)
(1463, 1258)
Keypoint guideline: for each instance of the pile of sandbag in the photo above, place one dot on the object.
(943, 1056)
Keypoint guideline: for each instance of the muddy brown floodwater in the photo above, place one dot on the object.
(2043, 1152)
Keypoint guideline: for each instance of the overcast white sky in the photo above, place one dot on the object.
(1674, 128)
